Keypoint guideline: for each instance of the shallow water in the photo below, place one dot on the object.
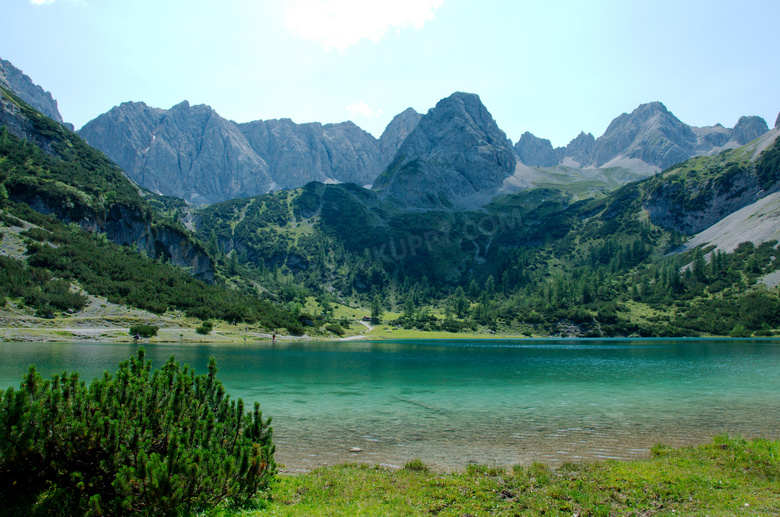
(453, 402)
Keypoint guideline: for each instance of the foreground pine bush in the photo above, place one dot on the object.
(162, 442)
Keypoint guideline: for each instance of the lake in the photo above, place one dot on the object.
(448, 403)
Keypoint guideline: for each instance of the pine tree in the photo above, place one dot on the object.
(159, 442)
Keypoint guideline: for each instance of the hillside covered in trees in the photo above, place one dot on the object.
(541, 262)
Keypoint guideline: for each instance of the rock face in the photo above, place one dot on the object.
(396, 132)
(16, 81)
(652, 135)
(456, 157)
(188, 151)
(193, 153)
(536, 152)
(748, 129)
(299, 153)
(580, 150)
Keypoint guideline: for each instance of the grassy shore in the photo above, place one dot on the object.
(102, 321)
(730, 476)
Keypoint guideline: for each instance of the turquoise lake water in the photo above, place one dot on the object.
(449, 403)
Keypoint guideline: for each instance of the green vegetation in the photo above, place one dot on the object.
(536, 263)
(62, 254)
(144, 331)
(162, 442)
(561, 260)
(730, 476)
(205, 328)
(74, 179)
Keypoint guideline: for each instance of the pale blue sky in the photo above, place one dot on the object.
(554, 68)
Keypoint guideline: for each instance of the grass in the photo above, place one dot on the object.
(730, 476)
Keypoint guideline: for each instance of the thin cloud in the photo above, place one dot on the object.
(363, 109)
(41, 2)
(341, 23)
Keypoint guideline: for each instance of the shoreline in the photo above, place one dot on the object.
(172, 335)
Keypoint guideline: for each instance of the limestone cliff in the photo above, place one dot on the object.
(188, 151)
(456, 157)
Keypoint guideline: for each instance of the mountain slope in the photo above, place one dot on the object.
(15, 80)
(695, 194)
(51, 169)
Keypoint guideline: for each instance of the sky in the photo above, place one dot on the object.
(554, 68)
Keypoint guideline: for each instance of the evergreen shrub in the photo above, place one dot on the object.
(144, 330)
(162, 442)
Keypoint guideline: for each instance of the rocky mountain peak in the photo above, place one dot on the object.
(456, 157)
(19, 83)
(777, 120)
(187, 151)
(748, 129)
(650, 133)
(397, 130)
(536, 152)
(580, 149)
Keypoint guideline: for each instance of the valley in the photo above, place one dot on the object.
(457, 235)
(440, 297)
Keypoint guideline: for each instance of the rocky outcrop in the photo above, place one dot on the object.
(193, 153)
(707, 203)
(19, 83)
(579, 150)
(456, 158)
(187, 151)
(536, 152)
(396, 132)
(651, 138)
(748, 129)
(299, 153)
(691, 199)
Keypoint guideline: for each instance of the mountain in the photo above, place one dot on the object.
(456, 157)
(698, 193)
(538, 261)
(52, 170)
(193, 153)
(19, 83)
(651, 138)
(534, 151)
(299, 153)
(187, 151)
(396, 132)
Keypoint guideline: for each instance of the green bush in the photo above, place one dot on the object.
(205, 328)
(162, 442)
(416, 465)
(336, 329)
(144, 330)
